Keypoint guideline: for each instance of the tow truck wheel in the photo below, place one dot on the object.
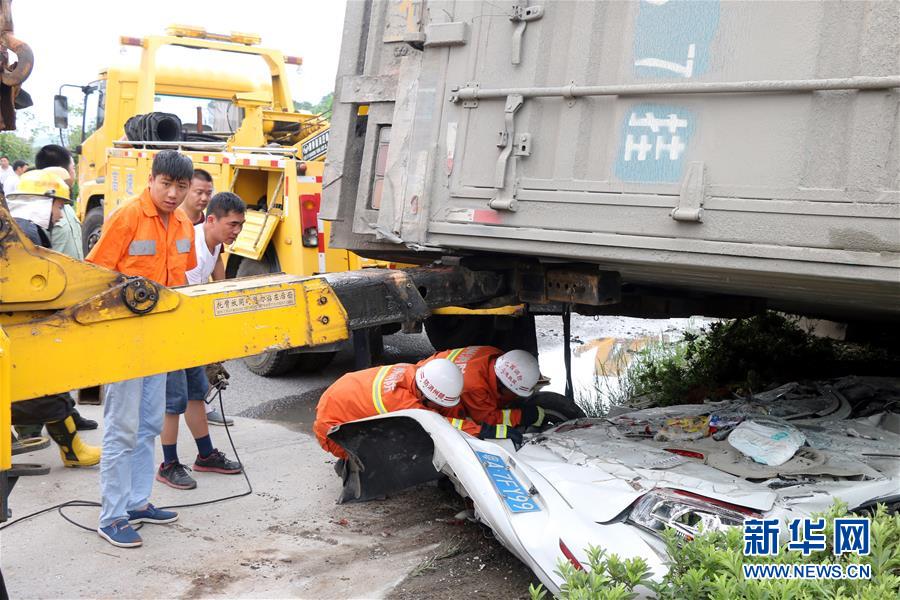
(279, 362)
(90, 228)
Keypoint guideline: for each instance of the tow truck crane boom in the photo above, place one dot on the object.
(54, 309)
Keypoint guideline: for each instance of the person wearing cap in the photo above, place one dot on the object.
(435, 386)
(149, 237)
(66, 236)
(494, 381)
(36, 206)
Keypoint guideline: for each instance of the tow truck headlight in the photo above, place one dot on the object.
(687, 513)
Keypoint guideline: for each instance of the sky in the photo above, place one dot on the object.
(73, 40)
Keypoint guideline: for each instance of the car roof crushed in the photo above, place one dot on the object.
(850, 429)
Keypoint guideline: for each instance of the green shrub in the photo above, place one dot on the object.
(711, 568)
(745, 356)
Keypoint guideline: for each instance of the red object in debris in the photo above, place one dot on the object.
(688, 453)
(569, 556)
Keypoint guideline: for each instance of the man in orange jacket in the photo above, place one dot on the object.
(492, 381)
(150, 237)
(435, 386)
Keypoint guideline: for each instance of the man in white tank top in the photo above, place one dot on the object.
(186, 389)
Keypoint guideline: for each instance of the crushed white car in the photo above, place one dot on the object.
(619, 482)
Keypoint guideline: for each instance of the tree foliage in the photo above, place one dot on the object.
(322, 106)
(15, 148)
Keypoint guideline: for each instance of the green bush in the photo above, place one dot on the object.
(745, 356)
(711, 568)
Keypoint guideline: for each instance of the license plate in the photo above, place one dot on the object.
(516, 497)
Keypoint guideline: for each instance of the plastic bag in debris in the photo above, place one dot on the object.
(683, 429)
(767, 440)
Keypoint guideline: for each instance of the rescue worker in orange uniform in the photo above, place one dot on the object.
(493, 381)
(380, 390)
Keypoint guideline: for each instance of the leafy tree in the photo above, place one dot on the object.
(15, 148)
(323, 106)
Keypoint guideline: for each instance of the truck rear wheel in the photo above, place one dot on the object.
(90, 228)
(279, 362)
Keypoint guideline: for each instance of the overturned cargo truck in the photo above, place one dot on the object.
(651, 157)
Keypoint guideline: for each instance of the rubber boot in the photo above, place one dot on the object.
(72, 449)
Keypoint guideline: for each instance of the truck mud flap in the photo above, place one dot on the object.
(387, 456)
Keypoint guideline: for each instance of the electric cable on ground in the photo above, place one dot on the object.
(90, 503)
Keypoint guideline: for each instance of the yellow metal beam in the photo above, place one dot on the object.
(146, 88)
(5, 403)
(516, 310)
(208, 323)
(35, 278)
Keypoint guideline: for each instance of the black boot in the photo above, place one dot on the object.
(82, 424)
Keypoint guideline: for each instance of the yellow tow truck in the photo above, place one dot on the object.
(53, 307)
(243, 130)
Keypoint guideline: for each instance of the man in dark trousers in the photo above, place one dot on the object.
(37, 207)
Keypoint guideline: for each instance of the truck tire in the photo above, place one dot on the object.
(557, 407)
(279, 362)
(90, 228)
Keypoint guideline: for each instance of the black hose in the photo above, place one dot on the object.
(81, 503)
(154, 127)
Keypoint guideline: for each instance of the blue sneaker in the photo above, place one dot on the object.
(120, 534)
(151, 514)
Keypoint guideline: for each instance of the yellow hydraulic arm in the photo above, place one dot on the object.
(66, 324)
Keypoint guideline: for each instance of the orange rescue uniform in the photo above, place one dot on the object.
(481, 398)
(371, 392)
(135, 242)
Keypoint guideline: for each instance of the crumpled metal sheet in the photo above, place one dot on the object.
(602, 443)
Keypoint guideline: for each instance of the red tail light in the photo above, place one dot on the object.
(309, 219)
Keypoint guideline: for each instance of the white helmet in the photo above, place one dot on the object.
(441, 382)
(518, 370)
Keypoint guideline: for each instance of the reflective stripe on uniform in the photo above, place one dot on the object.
(507, 416)
(501, 432)
(453, 354)
(457, 423)
(376, 390)
(142, 248)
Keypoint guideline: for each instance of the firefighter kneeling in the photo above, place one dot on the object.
(434, 386)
